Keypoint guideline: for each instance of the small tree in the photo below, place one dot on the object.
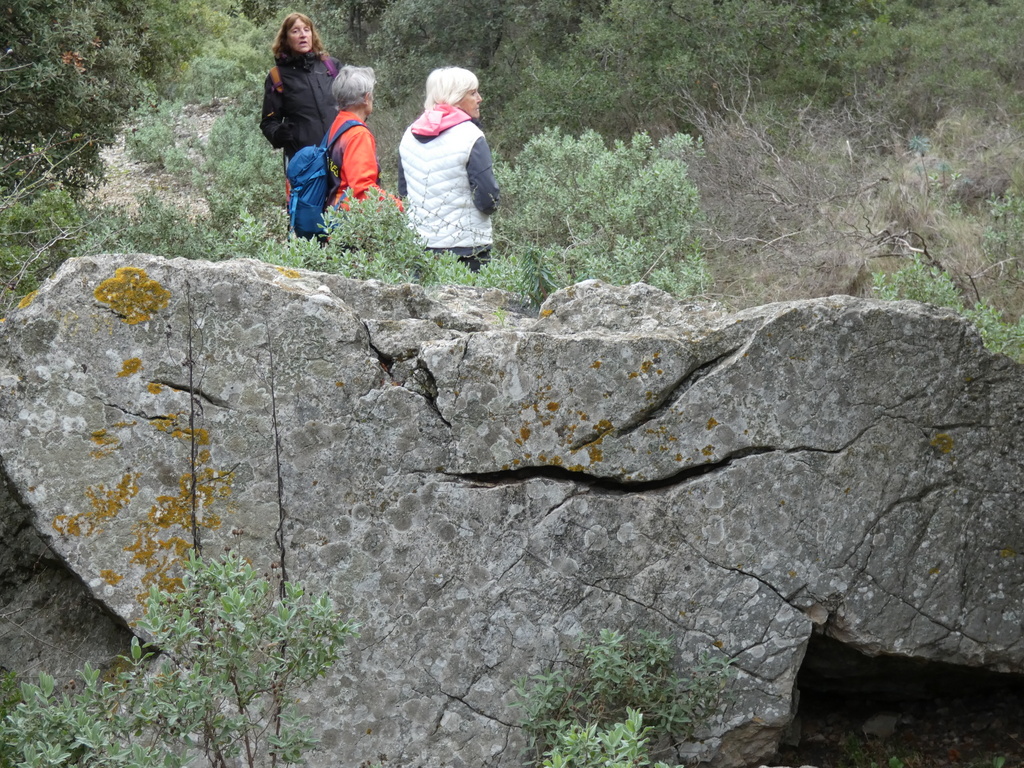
(230, 661)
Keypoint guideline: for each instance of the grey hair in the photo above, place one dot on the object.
(449, 85)
(352, 85)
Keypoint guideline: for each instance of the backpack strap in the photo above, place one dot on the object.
(328, 141)
(275, 78)
(332, 68)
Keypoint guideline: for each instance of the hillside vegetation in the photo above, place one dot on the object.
(740, 150)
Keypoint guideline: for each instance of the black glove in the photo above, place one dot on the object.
(285, 136)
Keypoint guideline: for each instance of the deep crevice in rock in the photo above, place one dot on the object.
(608, 483)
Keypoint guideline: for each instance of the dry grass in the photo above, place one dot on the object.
(803, 205)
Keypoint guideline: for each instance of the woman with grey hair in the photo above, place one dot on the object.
(353, 150)
(445, 169)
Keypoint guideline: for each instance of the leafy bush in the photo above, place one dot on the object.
(608, 676)
(38, 231)
(152, 139)
(622, 215)
(622, 745)
(232, 659)
(240, 171)
(928, 283)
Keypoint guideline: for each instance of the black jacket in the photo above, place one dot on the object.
(299, 112)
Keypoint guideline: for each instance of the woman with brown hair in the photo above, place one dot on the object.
(298, 106)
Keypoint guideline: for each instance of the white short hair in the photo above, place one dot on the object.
(449, 85)
(351, 86)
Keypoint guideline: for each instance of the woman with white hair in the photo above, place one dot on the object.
(352, 147)
(445, 169)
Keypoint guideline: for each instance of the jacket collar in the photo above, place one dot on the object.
(434, 121)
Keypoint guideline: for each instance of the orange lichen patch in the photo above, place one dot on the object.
(604, 425)
(934, 571)
(943, 442)
(596, 364)
(169, 424)
(1007, 552)
(27, 299)
(154, 388)
(707, 450)
(111, 577)
(547, 312)
(158, 555)
(105, 505)
(130, 366)
(125, 424)
(524, 435)
(132, 295)
(595, 453)
(553, 407)
(711, 424)
(106, 442)
(339, 383)
(292, 273)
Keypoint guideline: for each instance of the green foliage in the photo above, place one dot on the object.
(38, 232)
(621, 745)
(232, 659)
(152, 140)
(928, 283)
(920, 61)
(606, 678)
(10, 697)
(239, 172)
(229, 67)
(622, 215)
(1004, 237)
(70, 73)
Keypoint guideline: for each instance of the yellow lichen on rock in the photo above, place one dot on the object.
(132, 295)
(130, 366)
(105, 504)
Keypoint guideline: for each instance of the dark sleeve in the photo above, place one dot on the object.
(272, 120)
(403, 188)
(481, 177)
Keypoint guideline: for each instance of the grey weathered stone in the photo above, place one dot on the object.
(477, 487)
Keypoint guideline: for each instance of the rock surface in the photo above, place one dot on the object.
(476, 487)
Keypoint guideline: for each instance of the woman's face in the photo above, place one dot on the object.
(300, 38)
(470, 103)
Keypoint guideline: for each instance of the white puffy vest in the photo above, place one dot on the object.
(440, 199)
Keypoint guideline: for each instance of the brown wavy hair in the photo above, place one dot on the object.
(281, 47)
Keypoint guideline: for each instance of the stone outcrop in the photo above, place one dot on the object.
(477, 487)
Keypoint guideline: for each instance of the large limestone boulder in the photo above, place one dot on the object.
(477, 487)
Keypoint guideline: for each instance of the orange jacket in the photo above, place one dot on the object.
(354, 167)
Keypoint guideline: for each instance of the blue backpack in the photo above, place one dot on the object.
(308, 175)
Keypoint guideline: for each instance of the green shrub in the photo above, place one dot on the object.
(152, 139)
(608, 676)
(622, 215)
(232, 660)
(240, 170)
(38, 232)
(928, 283)
(374, 241)
(622, 745)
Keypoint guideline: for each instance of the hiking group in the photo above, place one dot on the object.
(315, 110)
